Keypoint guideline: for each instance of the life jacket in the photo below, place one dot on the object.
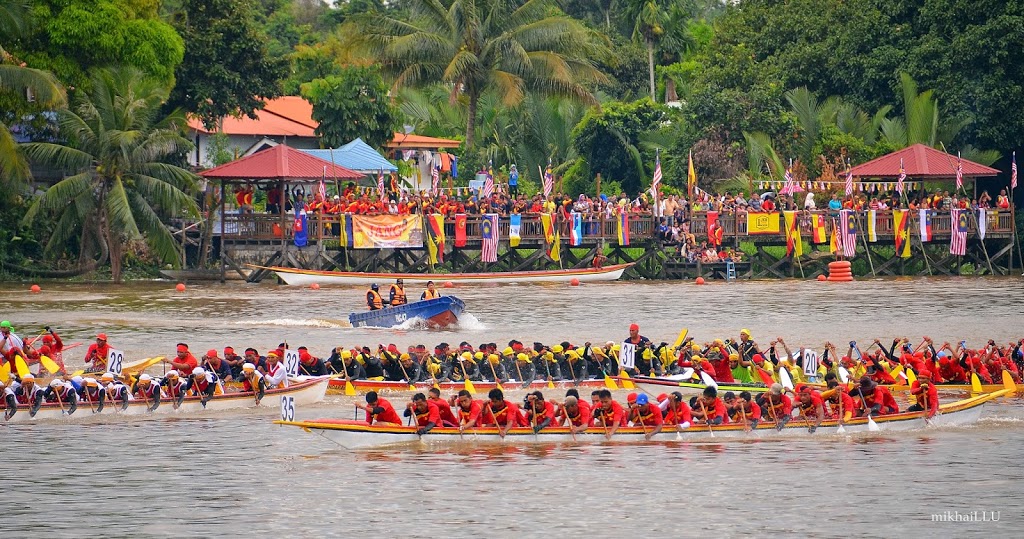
(399, 295)
(374, 300)
(430, 294)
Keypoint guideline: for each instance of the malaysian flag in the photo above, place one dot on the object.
(848, 238)
(549, 181)
(849, 179)
(959, 172)
(322, 188)
(489, 235)
(488, 188)
(380, 184)
(435, 180)
(790, 186)
(1013, 172)
(656, 180)
(903, 176)
(958, 241)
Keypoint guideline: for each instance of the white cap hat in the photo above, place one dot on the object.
(171, 374)
(90, 381)
(107, 376)
(56, 382)
(28, 376)
(77, 379)
(248, 366)
(198, 371)
(145, 377)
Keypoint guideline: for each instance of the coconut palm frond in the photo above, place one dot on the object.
(158, 236)
(44, 86)
(13, 166)
(119, 212)
(60, 196)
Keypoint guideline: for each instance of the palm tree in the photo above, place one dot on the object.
(18, 79)
(123, 185)
(509, 47)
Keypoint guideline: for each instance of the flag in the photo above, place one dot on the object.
(849, 179)
(790, 187)
(903, 176)
(455, 166)
(959, 172)
(833, 245)
(489, 236)
(435, 180)
(872, 232)
(347, 237)
(435, 237)
(691, 176)
(925, 220)
(322, 188)
(715, 231)
(1013, 171)
(982, 223)
(460, 230)
(849, 236)
(901, 229)
(549, 227)
(514, 222)
(958, 238)
(763, 223)
(301, 234)
(380, 184)
(656, 180)
(549, 181)
(488, 189)
(793, 242)
(555, 248)
(576, 232)
(622, 228)
(818, 232)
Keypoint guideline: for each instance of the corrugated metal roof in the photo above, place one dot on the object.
(410, 141)
(920, 161)
(280, 162)
(356, 155)
(266, 124)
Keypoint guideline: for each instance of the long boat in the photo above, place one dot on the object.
(437, 313)
(302, 277)
(307, 392)
(362, 386)
(360, 435)
(656, 385)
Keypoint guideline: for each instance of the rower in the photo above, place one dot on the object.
(52, 348)
(524, 369)
(747, 346)
(709, 408)
(379, 410)
(90, 391)
(29, 393)
(204, 384)
(837, 398)
(115, 390)
(252, 380)
(502, 413)
(444, 409)
(309, 365)
(175, 386)
(539, 412)
(576, 413)
(777, 405)
(493, 370)
(397, 294)
(62, 392)
(97, 354)
(10, 401)
(426, 413)
(609, 413)
(235, 362)
(216, 365)
(12, 343)
(147, 390)
(276, 376)
(373, 299)
(926, 395)
(183, 361)
(350, 368)
(410, 369)
(677, 412)
(468, 410)
(430, 292)
(811, 407)
(647, 415)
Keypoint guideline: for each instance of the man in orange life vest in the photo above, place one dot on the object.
(426, 413)
(373, 299)
(430, 292)
(397, 296)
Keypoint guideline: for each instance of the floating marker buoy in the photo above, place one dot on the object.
(449, 284)
(574, 282)
(35, 289)
(699, 280)
(180, 287)
(314, 286)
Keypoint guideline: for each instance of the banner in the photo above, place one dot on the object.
(715, 231)
(818, 233)
(576, 232)
(489, 238)
(554, 250)
(982, 223)
(849, 233)
(549, 228)
(872, 234)
(301, 234)
(901, 230)
(460, 230)
(622, 228)
(435, 237)
(345, 234)
(763, 223)
(925, 221)
(514, 222)
(794, 245)
(387, 231)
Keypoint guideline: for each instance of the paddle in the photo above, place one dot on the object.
(465, 378)
(680, 339)
(406, 374)
(60, 402)
(708, 380)
(572, 372)
(640, 420)
(525, 383)
(551, 384)
(1008, 382)
(21, 366)
(841, 429)
(898, 375)
(5, 372)
(743, 413)
(784, 378)
(707, 420)
(49, 364)
(872, 426)
(497, 382)
(976, 383)
(624, 378)
(911, 377)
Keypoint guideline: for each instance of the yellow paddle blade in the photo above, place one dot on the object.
(350, 390)
(911, 377)
(5, 372)
(1008, 382)
(609, 382)
(497, 384)
(680, 338)
(49, 364)
(412, 387)
(79, 372)
(626, 383)
(975, 383)
(551, 385)
(140, 366)
(19, 363)
(895, 373)
(469, 387)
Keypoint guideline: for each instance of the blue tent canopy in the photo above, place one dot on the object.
(356, 155)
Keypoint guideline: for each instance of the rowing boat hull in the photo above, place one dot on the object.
(308, 392)
(662, 385)
(360, 435)
(300, 277)
(363, 386)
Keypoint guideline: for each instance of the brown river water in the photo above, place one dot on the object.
(237, 474)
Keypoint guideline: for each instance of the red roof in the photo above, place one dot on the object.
(920, 161)
(402, 141)
(294, 108)
(277, 163)
(288, 116)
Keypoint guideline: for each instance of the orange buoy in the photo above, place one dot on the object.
(574, 282)
(314, 286)
(840, 271)
(699, 280)
(449, 284)
(35, 289)
(180, 287)
(821, 277)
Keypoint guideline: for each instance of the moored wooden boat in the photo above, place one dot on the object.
(358, 434)
(301, 277)
(306, 392)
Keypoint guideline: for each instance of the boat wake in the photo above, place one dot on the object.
(295, 322)
(467, 322)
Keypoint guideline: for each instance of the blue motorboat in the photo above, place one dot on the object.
(437, 313)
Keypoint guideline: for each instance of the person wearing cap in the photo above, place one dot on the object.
(444, 409)
(840, 404)
(643, 413)
(524, 368)
(217, 365)
(373, 300)
(252, 380)
(608, 413)
(677, 412)
(500, 412)
(492, 370)
(148, 391)
(397, 294)
(379, 410)
(10, 401)
(52, 348)
(747, 347)
(174, 386)
(539, 412)
(576, 414)
(430, 293)
(62, 392)
(351, 368)
(708, 408)
(115, 390)
(811, 407)
(12, 344)
(90, 391)
(183, 362)
(275, 375)
(426, 413)
(203, 384)
(873, 399)
(97, 354)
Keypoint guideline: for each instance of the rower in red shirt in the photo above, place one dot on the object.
(677, 412)
(742, 410)
(468, 410)
(97, 354)
(426, 413)
(872, 399)
(379, 410)
(499, 412)
(926, 395)
(647, 415)
(839, 402)
(777, 406)
(609, 414)
(539, 412)
(184, 362)
(709, 408)
(812, 409)
(576, 413)
(448, 419)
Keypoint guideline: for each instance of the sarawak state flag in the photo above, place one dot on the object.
(622, 228)
(901, 230)
(576, 232)
(549, 228)
(460, 230)
(793, 241)
(818, 229)
(434, 237)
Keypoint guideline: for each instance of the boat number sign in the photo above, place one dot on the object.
(115, 360)
(291, 362)
(287, 408)
(401, 317)
(627, 355)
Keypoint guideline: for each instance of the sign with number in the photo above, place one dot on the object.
(810, 363)
(287, 408)
(291, 362)
(627, 355)
(115, 361)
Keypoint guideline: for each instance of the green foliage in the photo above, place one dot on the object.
(352, 104)
(227, 69)
(608, 139)
(219, 150)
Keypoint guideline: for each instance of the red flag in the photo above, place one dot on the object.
(460, 230)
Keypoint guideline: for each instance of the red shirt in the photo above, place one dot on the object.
(473, 414)
(951, 371)
(716, 409)
(678, 414)
(651, 417)
(387, 416)
(847, 405)
(536, 417)
(810, 408)
(614, 416)
(783, 408)
(921, 395)
(722, 372)
(430, 415)
(445, 409)
(98, 352)
(507, 415)
(190, 360)
(584, 415)
(751, 411)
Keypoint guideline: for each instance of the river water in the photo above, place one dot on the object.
(237, 474)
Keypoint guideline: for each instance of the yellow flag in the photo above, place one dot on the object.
(833, 245)
(691, 175)
(554, 251)
(794, 245)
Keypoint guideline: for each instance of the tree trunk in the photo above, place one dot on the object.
(650, 66)
(471, 118)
